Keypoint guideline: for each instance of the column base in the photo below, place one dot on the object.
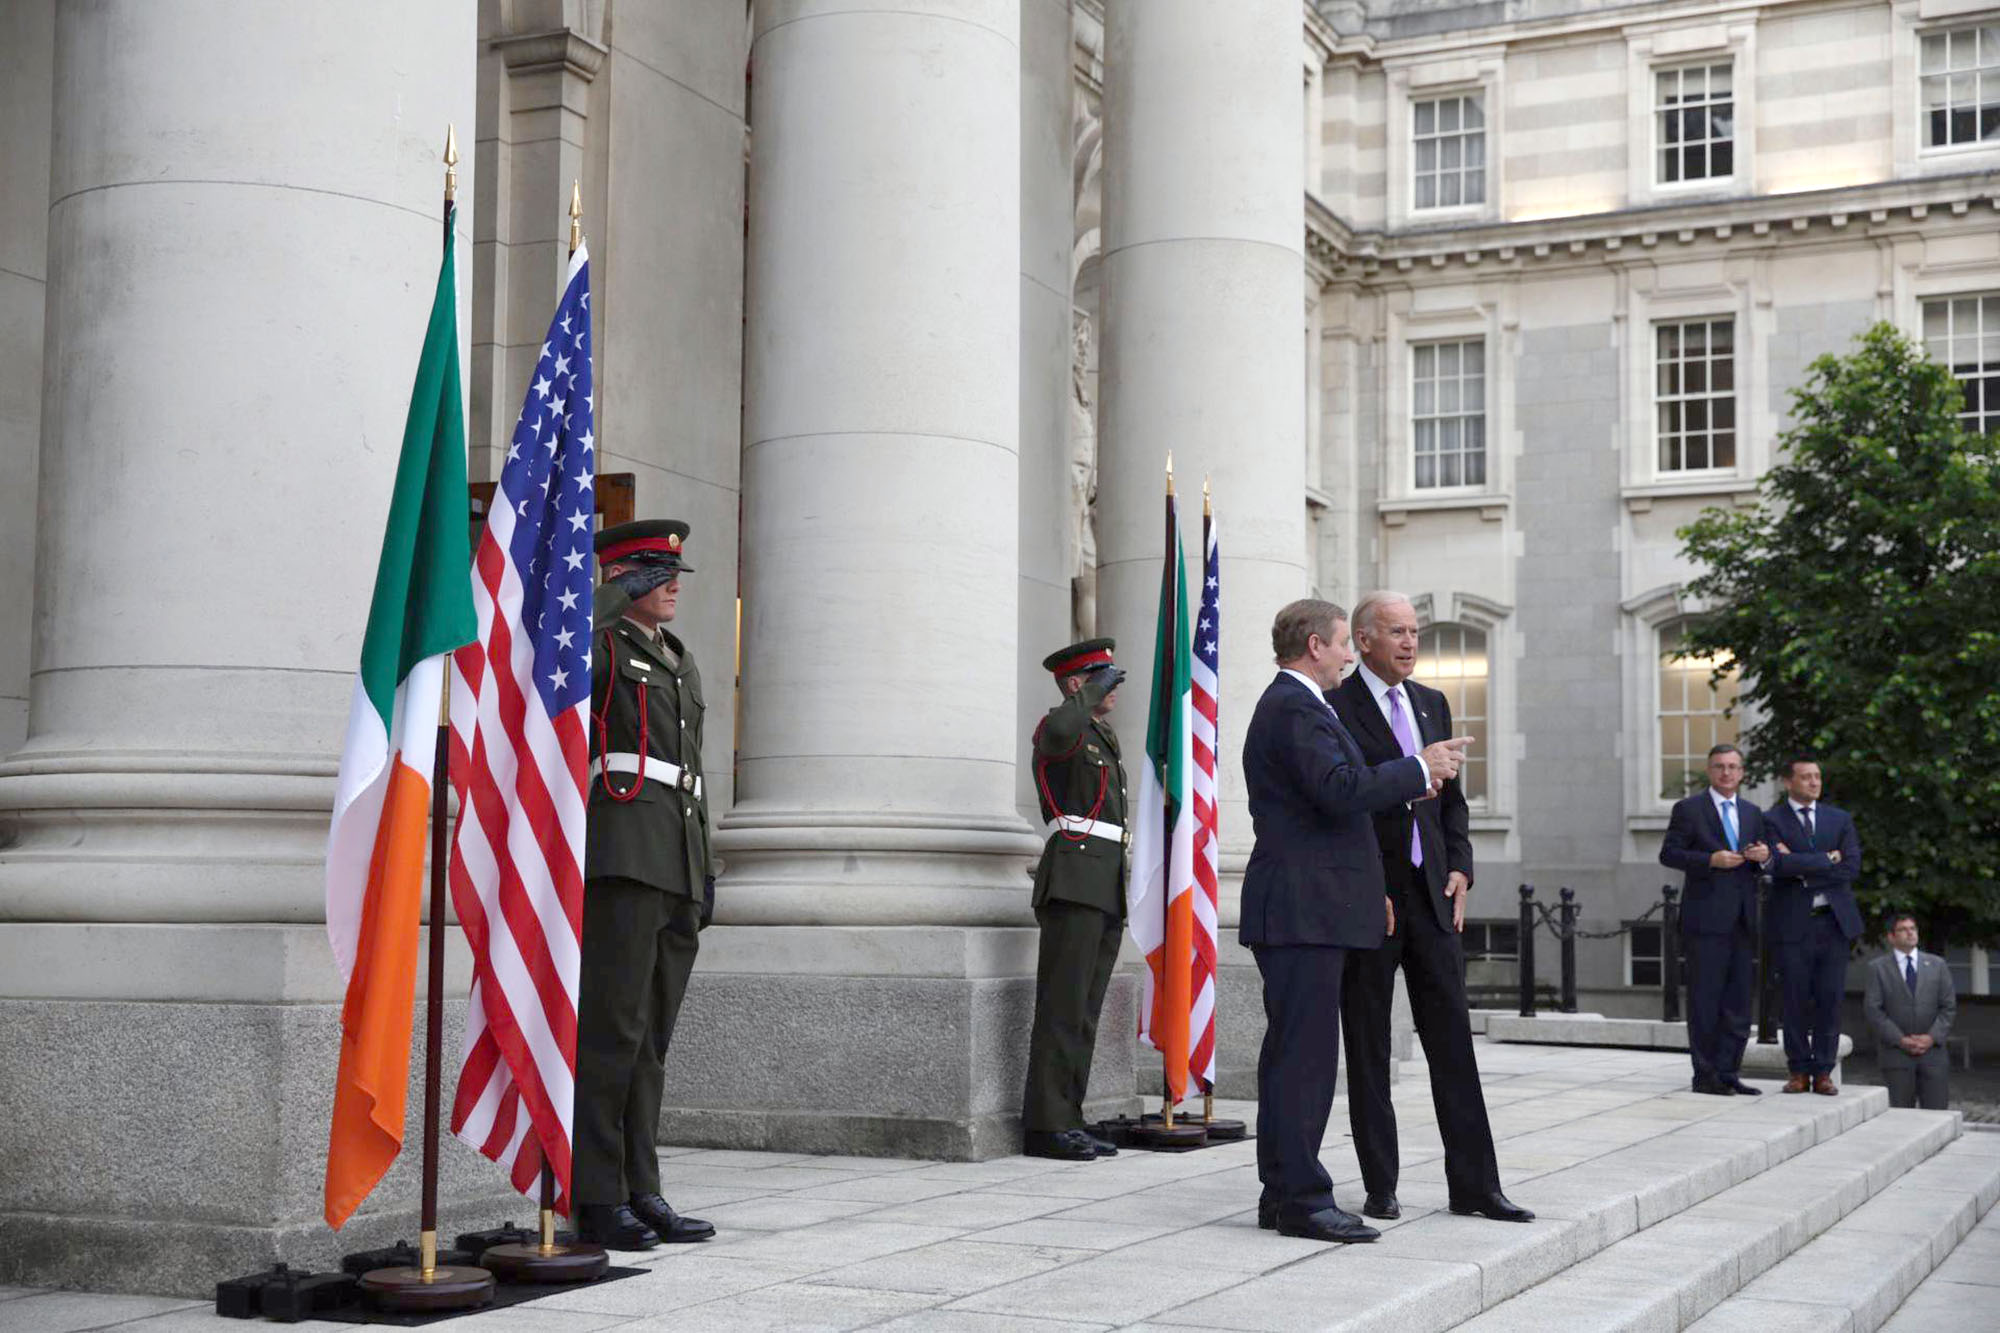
(900, 1041)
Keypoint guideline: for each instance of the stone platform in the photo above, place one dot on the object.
(1659, 1209)
(1760, 1059)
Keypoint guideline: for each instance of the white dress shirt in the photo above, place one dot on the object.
(1720, 801)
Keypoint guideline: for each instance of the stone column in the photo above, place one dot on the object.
(881, 439)
(873, 943)
(1204, 234)
(27, 68)
(243, 237)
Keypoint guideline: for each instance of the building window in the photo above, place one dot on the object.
(1693, 715)
(1645, 954)
(1448, 416)
(1452, 660)
(1492, 941)
(1959, 78)
(1696, 113)
(1964, 333)
(1697, 394)
(1450, 151)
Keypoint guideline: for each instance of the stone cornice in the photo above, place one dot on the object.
(1334, 248)
(562, 49)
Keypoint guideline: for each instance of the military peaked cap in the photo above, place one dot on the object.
(644, 541)
(1079, 657)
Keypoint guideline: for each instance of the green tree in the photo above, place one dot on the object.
(1861, 600)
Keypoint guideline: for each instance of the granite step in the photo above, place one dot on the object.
(1962, 1293)
(1669, 1275)
(1857, 1273)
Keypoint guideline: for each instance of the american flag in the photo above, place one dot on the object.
(520, 752)
(1203, 673)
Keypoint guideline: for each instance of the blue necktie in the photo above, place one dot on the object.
(1910, 974)
(1729, 823)
(1805, 818)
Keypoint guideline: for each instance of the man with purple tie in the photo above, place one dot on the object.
(1426, 852)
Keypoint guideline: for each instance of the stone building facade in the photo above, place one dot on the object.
(901, 305)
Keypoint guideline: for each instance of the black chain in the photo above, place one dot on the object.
(1548, 919)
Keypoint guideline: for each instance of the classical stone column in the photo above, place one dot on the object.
(876, 760)
(1203, 267)
(243, 236)
(873, 943)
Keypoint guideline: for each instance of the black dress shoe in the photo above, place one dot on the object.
(1383, 1206)
(1329, 1224)
(1742, 1089)
(1064, 1145)
(1495, 1206)
(1267, 1215)
(671, 1227)
(614, 1226)
(1103, 1147)
(1713, 1088)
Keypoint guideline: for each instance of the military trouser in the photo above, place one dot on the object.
(639, 945)
(1078, 949)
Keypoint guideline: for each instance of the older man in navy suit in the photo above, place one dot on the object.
(1716, 839)
(1313, 889)
(1813, 921)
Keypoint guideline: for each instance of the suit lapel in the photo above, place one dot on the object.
(1368, 719)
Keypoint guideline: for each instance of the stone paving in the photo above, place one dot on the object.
(1045, 1247)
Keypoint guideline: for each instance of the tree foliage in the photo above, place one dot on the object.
(1861, 600)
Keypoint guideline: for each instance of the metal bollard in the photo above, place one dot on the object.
(1527, 951)
(1670, 954)
(1566, 915)
(1767, 981)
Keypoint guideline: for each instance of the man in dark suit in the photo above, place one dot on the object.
(1813, 920)
(1716, 839)
(1911, 1004)
(1426, 849)
(1311, 891)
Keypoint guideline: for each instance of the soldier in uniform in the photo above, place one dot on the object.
(648, 884)
(1079, 896)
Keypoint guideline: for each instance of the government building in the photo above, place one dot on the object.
(902, 305)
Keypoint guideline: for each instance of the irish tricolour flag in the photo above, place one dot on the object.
(1160, 898)
(375, 854)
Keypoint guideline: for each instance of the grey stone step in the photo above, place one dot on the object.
(1668, 1275)
(1962, 1294)
(1855, 1275)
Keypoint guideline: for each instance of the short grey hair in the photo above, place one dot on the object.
(1370, 606)
(1298, 621)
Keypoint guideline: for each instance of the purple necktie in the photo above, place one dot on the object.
(1406, 736)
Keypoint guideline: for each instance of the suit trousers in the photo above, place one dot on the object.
(1433, 965)
(1079, 946)
(1813, 969)
(1296, 1071)
(1719, 968)
(1923, 1082)
(639, 946)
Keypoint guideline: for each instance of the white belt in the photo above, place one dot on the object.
(658, 770)
(1096, 828)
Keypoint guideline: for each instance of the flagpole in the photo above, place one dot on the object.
(1170, 610)
(547, 1260)
(1208, 517)
(458, 1286)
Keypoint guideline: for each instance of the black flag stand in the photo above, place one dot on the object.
(429, 1286)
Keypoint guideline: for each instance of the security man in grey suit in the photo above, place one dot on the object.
(1911, 1005)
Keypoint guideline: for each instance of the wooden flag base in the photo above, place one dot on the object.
(407, 1289)
(576, 1262)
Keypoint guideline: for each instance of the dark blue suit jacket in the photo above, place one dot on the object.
(1797, 876)
(1315, 874)
(1713, 902)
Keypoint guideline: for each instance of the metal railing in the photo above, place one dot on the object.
(1562, 925)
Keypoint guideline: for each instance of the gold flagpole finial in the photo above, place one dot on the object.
(450, 163)
(1207, 507)
(575, 215)
(1170, 472)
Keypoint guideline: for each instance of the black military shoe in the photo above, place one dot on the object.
(1104, 1147)
(672, 1228)
(1064, 1145)
(1383, 1206)
(614, 1227)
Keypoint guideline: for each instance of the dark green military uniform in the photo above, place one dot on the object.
(647, 874)
(1079, 892)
